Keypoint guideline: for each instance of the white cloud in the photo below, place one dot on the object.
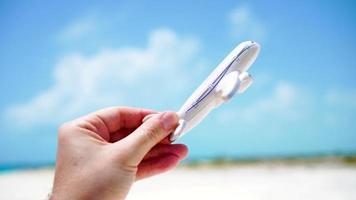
(285, 102)
(134, 76)
(244, 24)
(342, 97)
(78, 28)
(340, 107)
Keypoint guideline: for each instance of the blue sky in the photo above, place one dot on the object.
(59, 60)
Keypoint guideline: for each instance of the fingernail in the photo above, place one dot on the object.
(168, 120)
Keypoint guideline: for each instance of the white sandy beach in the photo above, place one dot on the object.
(259, 181)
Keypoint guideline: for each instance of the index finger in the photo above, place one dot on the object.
(116, 118)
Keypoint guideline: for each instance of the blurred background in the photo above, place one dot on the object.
(62, 59)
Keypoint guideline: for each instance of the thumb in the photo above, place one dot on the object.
(151, 132)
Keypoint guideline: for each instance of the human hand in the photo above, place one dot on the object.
(100, 155)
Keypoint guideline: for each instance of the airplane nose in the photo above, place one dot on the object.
(249, 56)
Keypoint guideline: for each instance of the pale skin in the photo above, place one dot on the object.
(102, 154)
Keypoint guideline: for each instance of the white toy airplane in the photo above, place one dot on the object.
(229, 77)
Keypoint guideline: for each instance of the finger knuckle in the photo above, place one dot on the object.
(153, 133)
(64, 131)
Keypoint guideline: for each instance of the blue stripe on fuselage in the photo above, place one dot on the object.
(215, 82)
